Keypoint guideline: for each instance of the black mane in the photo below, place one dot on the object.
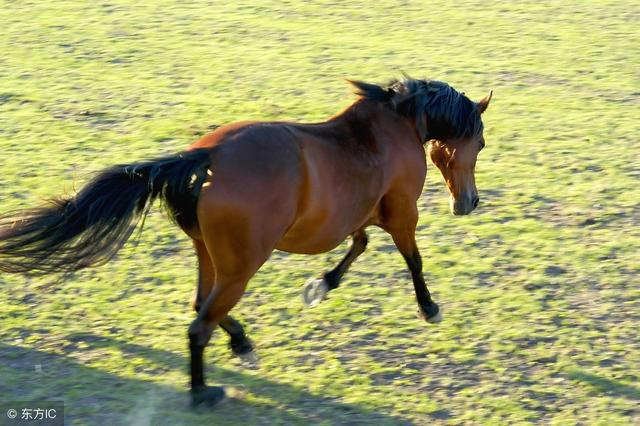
(440, 111)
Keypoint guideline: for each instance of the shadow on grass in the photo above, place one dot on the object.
(93, 396)
(604, 385)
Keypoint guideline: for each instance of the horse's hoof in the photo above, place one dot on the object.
(250, 358)
(433, 314)
(241, 347)
(207, 395)
(436, 318)
(315, 291)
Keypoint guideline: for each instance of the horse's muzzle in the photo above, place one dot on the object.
(464, 205)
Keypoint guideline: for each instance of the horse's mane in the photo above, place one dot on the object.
(440, 111)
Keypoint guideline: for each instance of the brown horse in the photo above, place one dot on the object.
(249, 188)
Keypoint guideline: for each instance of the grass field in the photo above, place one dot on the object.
(540, 287)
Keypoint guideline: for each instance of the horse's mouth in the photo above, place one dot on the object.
(464, 206)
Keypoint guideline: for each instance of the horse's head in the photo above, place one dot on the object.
(456, 159)
(447, 119)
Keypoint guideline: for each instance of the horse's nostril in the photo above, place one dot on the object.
(475, 202)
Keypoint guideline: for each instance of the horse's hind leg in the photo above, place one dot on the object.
(206, 274)
(236, 259)
(239, 343)
(222, 298)
(315, 290)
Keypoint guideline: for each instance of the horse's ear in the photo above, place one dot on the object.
(484, 103)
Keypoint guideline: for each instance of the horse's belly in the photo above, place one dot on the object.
(293, 243)
(321, 230)
(312, 234)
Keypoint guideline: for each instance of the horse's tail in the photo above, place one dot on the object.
(90, 227)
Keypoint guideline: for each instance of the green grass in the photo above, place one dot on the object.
(540, 288)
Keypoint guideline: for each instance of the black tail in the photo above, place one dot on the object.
(89, 228)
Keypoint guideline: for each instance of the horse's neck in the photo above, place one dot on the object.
(369, 120)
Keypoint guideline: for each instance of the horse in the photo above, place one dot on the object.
(249, 188)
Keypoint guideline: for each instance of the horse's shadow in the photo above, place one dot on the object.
(93, 396)
(606, 385)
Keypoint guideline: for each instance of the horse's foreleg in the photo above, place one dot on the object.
(360, 240)
(316, 289)
(428, 309)
(406, 243)
(400, 222)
